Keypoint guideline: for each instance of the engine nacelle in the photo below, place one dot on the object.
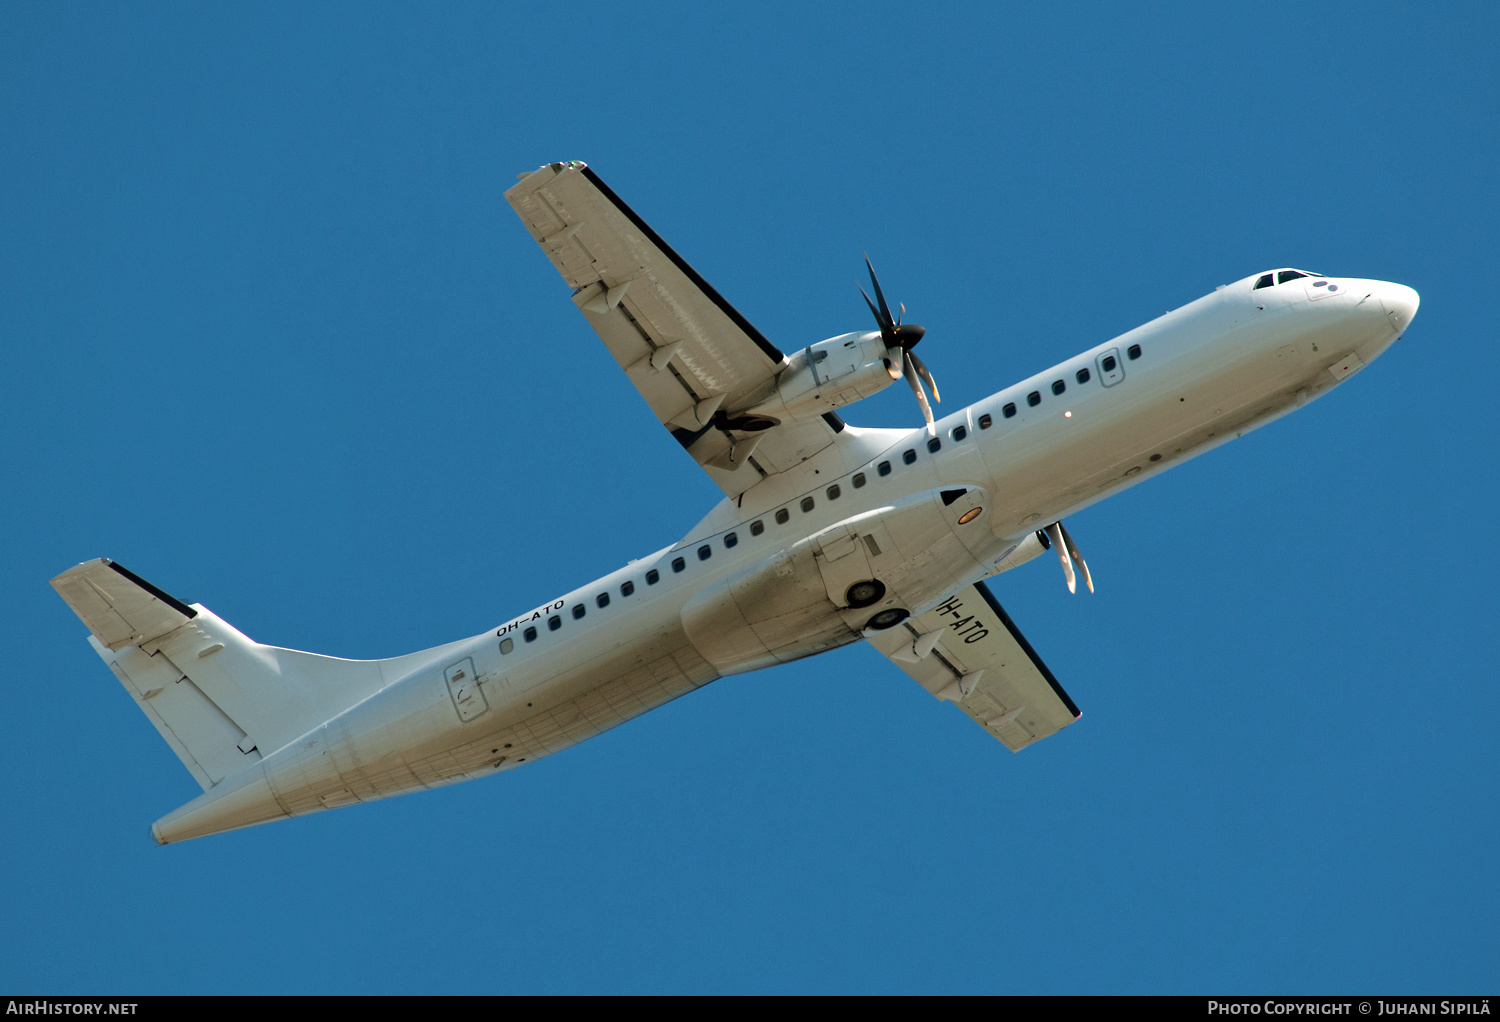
(825, 376)
(1031, 547)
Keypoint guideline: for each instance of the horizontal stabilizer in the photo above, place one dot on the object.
(119, 607)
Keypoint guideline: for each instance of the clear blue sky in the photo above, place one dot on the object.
(271, 337)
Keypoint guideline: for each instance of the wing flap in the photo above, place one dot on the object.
(969, 652)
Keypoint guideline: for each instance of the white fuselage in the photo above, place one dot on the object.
(753, 590)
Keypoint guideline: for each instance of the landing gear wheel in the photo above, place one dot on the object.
(887, 618)
(863, 594)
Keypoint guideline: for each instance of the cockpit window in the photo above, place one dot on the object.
(1266, 280)
(1286, 275)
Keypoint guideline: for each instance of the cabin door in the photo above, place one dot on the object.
(463, 686)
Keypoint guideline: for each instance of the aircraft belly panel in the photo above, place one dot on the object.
(774, 611)
(624, 696)
(794, 603)
(419, 742)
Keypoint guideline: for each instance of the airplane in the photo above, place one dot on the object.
(827, 534)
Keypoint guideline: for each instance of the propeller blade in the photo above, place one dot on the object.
(916, 388)
(886, 319)
(1060, 548)
(887, 332)
(897, 337)
(1088, 579)
(922, 372)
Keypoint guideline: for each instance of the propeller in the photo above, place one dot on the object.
(899, 339)
(1067, 554)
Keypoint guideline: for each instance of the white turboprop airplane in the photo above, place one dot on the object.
(827, 533)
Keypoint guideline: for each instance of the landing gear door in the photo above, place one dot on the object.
(851, 561)
(463, 686)
(843, 559)
(1111, 369)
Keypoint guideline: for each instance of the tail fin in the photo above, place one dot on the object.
(220, 699)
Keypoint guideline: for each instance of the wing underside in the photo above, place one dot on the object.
(691, 354)
(969, 652)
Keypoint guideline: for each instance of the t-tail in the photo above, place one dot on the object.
(250, 722)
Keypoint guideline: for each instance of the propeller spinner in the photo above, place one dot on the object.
(899, 339)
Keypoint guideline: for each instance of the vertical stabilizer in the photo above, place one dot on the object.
(221, 700)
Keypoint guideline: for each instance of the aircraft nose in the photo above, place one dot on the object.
(1400, 304)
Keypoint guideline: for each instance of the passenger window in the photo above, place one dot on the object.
(1133, 352)
(1083, 376)
(1009, 411)
(602, 600)
(1034, 398)
(909, 457)
(783, 516)
(757, 527)
(934, 445)
(959, 432)
(529, 634)
(1058, 386)
(626, 588)
(1109, 363)
(506, 645)
(554, 623)
(705, 552)
(678, 564)
(807, 503)
(834, 491)
(1264, 281)
(884, 468)
(858, 480)
(1286, 275)
(985, 422)
(730, 540)
(579, 610)
(652, 577)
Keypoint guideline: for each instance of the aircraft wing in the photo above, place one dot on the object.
(689, 352)
(968, 651)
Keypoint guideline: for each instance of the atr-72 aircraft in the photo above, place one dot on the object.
(827, 533)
